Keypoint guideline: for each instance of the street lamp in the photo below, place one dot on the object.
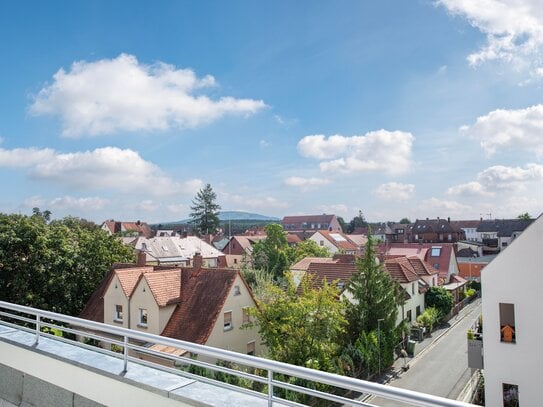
(379, 341)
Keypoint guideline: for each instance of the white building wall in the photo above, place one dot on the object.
(515, 277)
(324, 242)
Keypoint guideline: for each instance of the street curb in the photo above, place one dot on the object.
(437, 338)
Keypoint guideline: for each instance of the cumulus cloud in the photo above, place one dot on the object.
(506, 129)
(336, 209)
(382, 150)
(305, 184)
(122, 94)
(513, 29)
(67, 202)
(104, 168)
(394, 191)
(499, 178)
(253, 202)
(434, 207)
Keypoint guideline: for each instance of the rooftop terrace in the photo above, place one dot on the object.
(38, 367)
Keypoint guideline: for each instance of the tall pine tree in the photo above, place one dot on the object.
(205, 211)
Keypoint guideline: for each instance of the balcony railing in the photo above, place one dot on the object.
(346, 390)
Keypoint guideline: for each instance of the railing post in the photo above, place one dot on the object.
(270, 388)
(125, 354)
(38, 328)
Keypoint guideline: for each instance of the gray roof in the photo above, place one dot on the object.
(504, 227)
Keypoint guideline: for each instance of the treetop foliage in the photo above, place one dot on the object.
(55, 266)
(205, 211)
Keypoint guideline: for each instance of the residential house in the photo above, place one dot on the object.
(239, 250)
(470, 268)
(311, 223)
(359, 240)
(436, 231)
(299, 269)
(137, 228)
(440, 256)
(335, 242)
(512, 321)
(413, 275)
(405, 271)
(497, 234)
(178, 251)
(399, 233)
(201, 305)
(469, 227)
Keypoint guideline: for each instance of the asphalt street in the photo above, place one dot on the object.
(442, 368)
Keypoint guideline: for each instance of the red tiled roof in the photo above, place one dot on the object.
(165, 286)
(306, 261)
(330, 272)
(203, 294)
(292, 238)
(401, 270)
(344, 243)
(308, 218)
(129, 278)
(421, 267)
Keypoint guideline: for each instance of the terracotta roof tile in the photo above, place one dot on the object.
(306, 261)
(203, 294)
(401, 270)
(339, 240)
(129, 278)
(165, 286)
(331, 272)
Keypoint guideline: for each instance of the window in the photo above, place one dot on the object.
(251, 348)
(228, 321)
(510, 395)
(143, 317)
(235, 261)
(321, 242)
(436, 266)
(236, 290)
(409, 318)
(246, 317)
(449, 237)
(418, 310)
(412, 288)
(504, 244)
(118, 313)
(507, 323)
(436, 251)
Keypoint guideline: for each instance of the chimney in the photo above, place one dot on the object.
(142, 259)
(449, 219)
(197, 261)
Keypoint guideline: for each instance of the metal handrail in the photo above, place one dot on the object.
(271, 366)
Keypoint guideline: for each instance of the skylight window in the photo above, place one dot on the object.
(436, 251)
(337, 237)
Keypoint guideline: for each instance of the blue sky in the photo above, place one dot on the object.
(125, 109)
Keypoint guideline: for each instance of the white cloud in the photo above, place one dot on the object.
(513, 29)
(434, 207)
(499, 178)
(380, 150)
(336, 209)
(506, 129)
(103, 168)
(394, 191)
(469, 189)
(67, 202)
(264, 144)
(252, 202)
(305, 184)
(122, 94)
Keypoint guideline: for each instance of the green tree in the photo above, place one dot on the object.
(205, 211)
(524, 216)
(374, 307)
(308, 248)
(54, 266)
(357, 222)
(405, 221)
(428, 318)
(440, 299)
(301, 326)
(272, 253)
(344, 226)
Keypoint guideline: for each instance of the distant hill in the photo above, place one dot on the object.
(239, 215)
(226, 216)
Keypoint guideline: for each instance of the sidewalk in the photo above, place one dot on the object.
(396, 370)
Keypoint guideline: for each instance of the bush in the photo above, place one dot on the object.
(440, 299)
